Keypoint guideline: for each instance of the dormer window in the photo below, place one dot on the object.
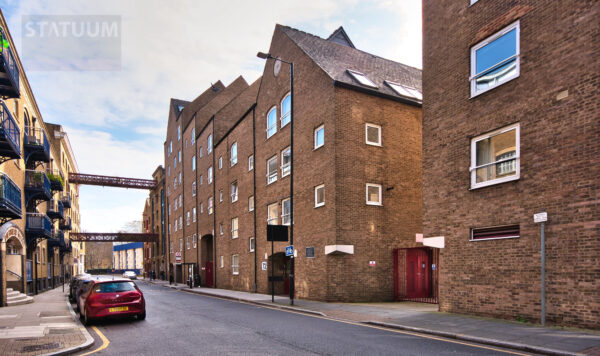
(404, 90)
(362, 79)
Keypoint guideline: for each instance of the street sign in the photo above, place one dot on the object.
(540, 217)
(264, 266)
(372, 263)
(289, 250)
(177, 257)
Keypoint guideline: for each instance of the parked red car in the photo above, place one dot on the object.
(113, 298)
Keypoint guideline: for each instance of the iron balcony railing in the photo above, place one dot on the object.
(36, 144)
(38, 181)
(38, 225)
(57, 181)
(55, 209)
(10, 135)
(57, 240)
(66, 199)
(65, 224)
(10, 197)
(9, 65)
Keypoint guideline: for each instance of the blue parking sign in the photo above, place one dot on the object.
(289, 250)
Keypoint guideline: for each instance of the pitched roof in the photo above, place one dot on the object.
(340, 36)
(235, 110)
(177, 105)
(200, 101)
(205, 113)
(336, 59)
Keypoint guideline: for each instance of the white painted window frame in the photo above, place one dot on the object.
(315, 137)
(378, 127)
(317, 204)
(380, 187)
(473, 168)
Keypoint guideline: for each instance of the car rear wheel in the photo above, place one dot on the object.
(86, 320)
(142, 315)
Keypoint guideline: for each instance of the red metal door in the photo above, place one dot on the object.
(418, 273)
(209, 273)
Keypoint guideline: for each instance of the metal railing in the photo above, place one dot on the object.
(66, 199)
(10, 128)
(10, 65)
(36, 137)
(56, 206)
(56, 177)
(10, 193)
(65, 224)
(39, 223)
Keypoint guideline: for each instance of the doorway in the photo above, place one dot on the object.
(416, 274)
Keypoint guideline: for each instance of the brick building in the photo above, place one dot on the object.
(511, 129)
(357, 175)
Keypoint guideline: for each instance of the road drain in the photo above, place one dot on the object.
(49, 346)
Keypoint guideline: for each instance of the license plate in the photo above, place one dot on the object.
(118, 309)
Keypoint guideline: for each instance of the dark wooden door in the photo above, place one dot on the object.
(418, 273)
(209, 273)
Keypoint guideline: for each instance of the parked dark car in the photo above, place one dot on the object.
(112, 298)
(75, 284)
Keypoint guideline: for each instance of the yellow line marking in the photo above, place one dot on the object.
(104, 345)
(372, 326)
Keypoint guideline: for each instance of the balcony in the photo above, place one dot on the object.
(66, 200)
(36, 145)
(65, 224)
(67, 247)
(37, 186)
(57, 240)
(57, 181)
(55, 209)
(10, 198)
(38, 226)
(10, 135)
(9, 70)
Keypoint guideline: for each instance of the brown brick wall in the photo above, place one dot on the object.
(560, 146)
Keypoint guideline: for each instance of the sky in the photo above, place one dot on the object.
(116, 118)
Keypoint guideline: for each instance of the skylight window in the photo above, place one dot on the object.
(362, 79)
(403, 90)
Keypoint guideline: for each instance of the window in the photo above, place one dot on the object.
(233, 157)
(186, 143)
(406, 91)
(193, 189)
(497, 232)
(234, 192)
(220, 195)
(180, 223)
(235, 267)
(373, 194)
(169, 171)
(373, 134)
(201, 208)
(272, 214)
(180, 245)
(209, 144)
(200, 152)
(174, 162)
(251, 203)
(195, 240)
(210, 175)
(178, 133)
(220, 162)
(179, 177)
(234, 228)
(194, 214)
(495, 60)
(179, 155)
(286, 110)
(220, 228)
(319, 195)
(252, 244)
(180, 201)
(286, 159)
(193, 138)
(310, 252)
(170, 147)
(193, 163)
(221, 264)
(272, 122)
(171, 244)
(495, 157)
(201, 180)
(272, 170)
(169, 209)
(187, 242)
(209, 206)
(250, 163)
(319, 136)
(285, 211)
(361, 78)
(187, 219)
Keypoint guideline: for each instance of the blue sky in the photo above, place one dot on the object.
(116, 120)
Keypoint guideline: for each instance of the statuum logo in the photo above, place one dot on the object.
(71, 42)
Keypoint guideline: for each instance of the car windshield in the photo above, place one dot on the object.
(114, 287)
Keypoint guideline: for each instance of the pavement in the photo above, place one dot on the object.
(48, 326)
(426, 319)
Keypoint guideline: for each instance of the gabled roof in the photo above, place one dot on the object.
(177, 105)
(340, 36)
(200, 101)
(235, 110)
(223, 97)
(337, 59)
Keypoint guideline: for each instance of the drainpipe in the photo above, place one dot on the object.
(254, 195)
(214, 182)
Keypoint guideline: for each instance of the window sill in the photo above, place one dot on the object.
(320, 205)
(495, 238)
(373, 144)
(374, 204)
(316, 148)
(494, 182)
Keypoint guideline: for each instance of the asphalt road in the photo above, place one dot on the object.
(180, 323)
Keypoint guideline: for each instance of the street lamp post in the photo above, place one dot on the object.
(292, 269)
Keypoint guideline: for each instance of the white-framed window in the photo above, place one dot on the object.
(251, 203)
(175, 225)
(221, 264)
(220, 195)
(373, 134)
(234, 228)
(193, 189)
(234, 192)
(233, 154)
(285, 211)
(220, 228)
(250, 163)
(319, 195)
(180, 244)
(179, 177)
(201, 180)
(187, 242)
(495, 157)
(193, 163)
(286, 110)
(272, 122)
(180, 222)
(272, 170)
(193, 138)
(179, 156)
(286, 161)
(195, 240)
(201, 208)
(178, 133)
(374, 194)
(180, 201)
(252, 243)
(209, 144)
(209, 175)
(220, 162)
(495, 60)
(200, 152)
(187, 219)
(272, 212)
(174, 162)
(362, 78)
(319, 136)
(209, 205)
(235, 266)
(194, 215)
(405, 90)
(170, 147)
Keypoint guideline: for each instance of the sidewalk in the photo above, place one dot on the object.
(47, 326)
(424, 318)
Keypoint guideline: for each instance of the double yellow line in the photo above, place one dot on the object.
(105, 342)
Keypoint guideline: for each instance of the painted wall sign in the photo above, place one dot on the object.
(540, 217)
(372, 263)
(264, 266)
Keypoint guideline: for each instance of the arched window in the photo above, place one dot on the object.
(286, 110)
(272, 122)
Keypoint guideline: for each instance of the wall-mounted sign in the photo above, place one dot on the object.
(177, 257)
(372, 263)
(540, 217)
(264, 266)
(289, 250)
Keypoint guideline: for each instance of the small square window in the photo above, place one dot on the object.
(310, 252)
(286, 162)
(319, 136)
(250, 163)
(251, 203)
(272, 170)
(373, 194)
(319, 195)
(252, 244)
(361, 78)
(373, 134)
(495, 157)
